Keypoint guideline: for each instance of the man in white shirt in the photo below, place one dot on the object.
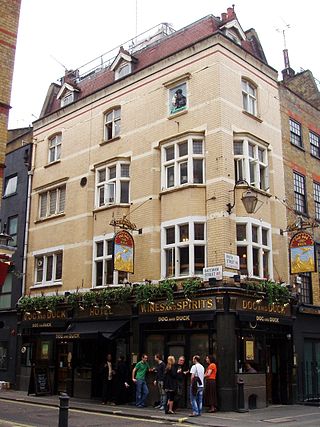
(197, 374)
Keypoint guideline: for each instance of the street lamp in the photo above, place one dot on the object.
(249, 198)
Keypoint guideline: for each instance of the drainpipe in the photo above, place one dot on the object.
(26, 230)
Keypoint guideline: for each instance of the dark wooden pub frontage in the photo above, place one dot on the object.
(227, 322)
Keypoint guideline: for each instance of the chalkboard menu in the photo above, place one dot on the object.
(39, 381)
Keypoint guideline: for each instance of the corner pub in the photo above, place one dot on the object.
(225, 321)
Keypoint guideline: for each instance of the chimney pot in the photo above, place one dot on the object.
(230, 12)
(223, 16)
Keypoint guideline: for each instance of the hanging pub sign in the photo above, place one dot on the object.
(302, 253)
(123, 251)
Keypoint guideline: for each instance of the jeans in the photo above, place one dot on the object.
(196, 401)
(162, 394)
(142, 392)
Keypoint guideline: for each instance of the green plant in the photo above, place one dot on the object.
(148, 292)
(274, 292)
(190, 287)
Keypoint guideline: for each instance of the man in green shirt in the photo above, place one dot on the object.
(139, 378)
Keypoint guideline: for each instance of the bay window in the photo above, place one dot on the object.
(254, 248)
(183, 162)
(183, 247)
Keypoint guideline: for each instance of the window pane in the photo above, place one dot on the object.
(184, 260)
(109, 272)
(183, 149)
(170, 256)
(238, 148)
(124, 192)
(170, 237)
(62, 200)
(117, 127)
(183, 173)
(4, 355)
(99, 273)
(125, 168)
(112, 172)
(39, 269)
(169, 153)
(11, 185)
(251, 150)
(110, 196)
(58, 266)
(265, 257)
(265, 237)
(101, 175)
(99, 249)
(255, 260)
(198, 259)
(52, 202)
(13, 230)
(242, 253)
(241, 232)
(198, 231)
(109, 247)
(49, 268)
(197, 147)
(198, 171)
(170, 176)
(101, 196)
(184, 232)
(255, 233)
(43, 205)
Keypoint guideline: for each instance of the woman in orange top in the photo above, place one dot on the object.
(210, 391)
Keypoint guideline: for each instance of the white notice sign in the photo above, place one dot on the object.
(232, 261)
(215, 272)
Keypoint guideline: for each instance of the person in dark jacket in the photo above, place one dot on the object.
(170, 383)
(107, 383)
(121, 381)
(182, 373)
(159, 370)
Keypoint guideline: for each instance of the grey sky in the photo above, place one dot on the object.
(76, 31)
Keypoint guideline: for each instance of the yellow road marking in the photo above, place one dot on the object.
(15, 424)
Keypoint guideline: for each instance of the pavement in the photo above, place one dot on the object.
(281, 415)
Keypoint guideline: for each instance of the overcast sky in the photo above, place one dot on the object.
(73, 32)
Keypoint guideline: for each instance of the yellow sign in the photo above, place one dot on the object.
(249, 349)
(123, 251)
(199, 304)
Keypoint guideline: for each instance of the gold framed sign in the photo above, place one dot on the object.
(124, 252)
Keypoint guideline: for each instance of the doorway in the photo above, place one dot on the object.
(64, 367)
(311, 370)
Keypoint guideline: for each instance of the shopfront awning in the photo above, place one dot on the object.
(108, 329)
(76, 330)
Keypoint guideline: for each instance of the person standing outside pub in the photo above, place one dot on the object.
(197, 374)
(182, 372)
(139, 378)
(210, 391)
(107, 380)
(159, 380)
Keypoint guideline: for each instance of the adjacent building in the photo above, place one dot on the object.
(169, 138)
(300, 114)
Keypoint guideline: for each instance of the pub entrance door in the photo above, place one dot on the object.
(64, 367)
(311, 370)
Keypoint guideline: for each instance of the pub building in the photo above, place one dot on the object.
(225, 321)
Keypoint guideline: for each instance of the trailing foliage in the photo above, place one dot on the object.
(274, 293)
(191, 286)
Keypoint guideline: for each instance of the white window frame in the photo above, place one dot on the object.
(249, 244)
(111, 185)
(54, 148)
(111, 119)
(191, 243)
(11, 184)
(249, 166)
(67, 98)
(178, 160)
(53, 281)
(249, 96)
(105, 238)
(45, 201)
(125, 67)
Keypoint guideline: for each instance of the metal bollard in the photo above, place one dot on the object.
(240, 405)
(63, 410)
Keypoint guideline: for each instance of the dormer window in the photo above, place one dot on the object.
(67, 94)
(67, 99)
(122, 65)
(123, 70)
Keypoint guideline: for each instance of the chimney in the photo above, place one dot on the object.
(223, 16)
(288, 72)
(70, 76)
(230, 12)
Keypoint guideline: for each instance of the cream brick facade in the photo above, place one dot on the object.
(215, 67)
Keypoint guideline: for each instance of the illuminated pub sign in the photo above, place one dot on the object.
(302, 253)
(123, 251)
